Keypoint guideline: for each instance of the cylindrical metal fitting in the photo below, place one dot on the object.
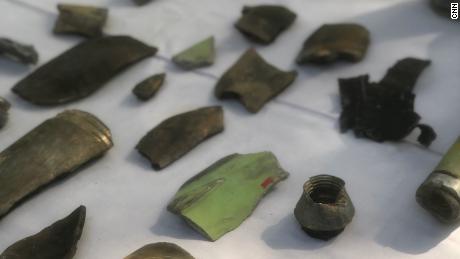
(324, 209)
(440, 193)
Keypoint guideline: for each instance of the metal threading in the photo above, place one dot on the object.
(325, 189)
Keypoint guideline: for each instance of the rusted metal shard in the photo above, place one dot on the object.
(176, 136)
(149, 87)
(4, 107)
(332, 42)
(384, 111)
(202, 54)
(160, 251)
(142, 2)
(58, 241)
(264, 23)
(53, 149)
(82, 70)
(324, 209)
(440, 192)
(83, 20)
(18, 52)
(221, 197)
(253, 81)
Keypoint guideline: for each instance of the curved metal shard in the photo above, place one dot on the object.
(81, 70)
(58, 241)
(53, 149)
(82, 20)
(221, 197)
(160, 251)
(177, 135)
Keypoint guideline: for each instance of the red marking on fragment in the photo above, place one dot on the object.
(267, 182)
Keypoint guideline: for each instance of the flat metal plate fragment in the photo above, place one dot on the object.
(4, 108)
(385, 110)
(253, 81)
(58, 241)
(221, 197)
(18, 52)
(160, 251)
(87, 21)
(149, 87)
(332, 42)
(82, 70)
(53, 149)
(176, 136)
(264, 23)
(202, 54)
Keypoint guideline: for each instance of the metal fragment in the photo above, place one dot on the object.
(87, 21)
(221, 197)
(253, 81)
(4, 108)
(264, 23)
(58, 241)
(332, 42)
(82, 70)
(18, 52)
(176, 136)
(53, 149)
(440, 192)
(443, 7)
(149, 87)
(160, 251)
(324, 209)
(202, 54)
(142, 2)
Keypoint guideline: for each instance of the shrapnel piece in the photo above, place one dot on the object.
(4, 108)
(58, 241)
(18, 52)
(202, 54)
(253, 81)
(82, 70)
(149, 87)
(87, 21)
(53, 149)
(264, 23)
(221, 197)
(160, 251)
(142, 2)
(176, 136)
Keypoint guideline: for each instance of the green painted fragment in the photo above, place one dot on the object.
(221, 197)
(202, 54)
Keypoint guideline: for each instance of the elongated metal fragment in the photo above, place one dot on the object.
(87, 21)
(253, 81)
(176, 136)
(264, 23)
(221, 197)
(19, 52)
(440, 192)
(149, 87)
(82, 70)
(332, 42)
(160, 251)
(58, 241)
(202, 54)
(53, 149)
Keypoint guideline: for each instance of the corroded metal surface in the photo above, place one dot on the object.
(202, 54)
(160, 251)
(149, 87)
(19, 52)
(82, 20)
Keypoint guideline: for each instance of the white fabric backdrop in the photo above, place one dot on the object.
(126, 199)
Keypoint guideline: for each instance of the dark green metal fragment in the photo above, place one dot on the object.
(160, 251)
(16, 51)
(82, 70)
(142, 2)
(4, 107)
(53, 149)
(179, 134)
(202, 54)
(86, 21)
(332, 42)
(221, 197)
(253, 81)
(149, 87)
(264, 23)
(58, 241)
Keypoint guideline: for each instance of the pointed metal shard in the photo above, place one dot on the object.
(160, 251)
(264, 23)
(82, 70)
(199, 55)
(4, 107)
(253, 81)
(58, 241)
(179, 134)
(142, 2)
(332, 42)
(18, 52)
(53, 149)
(221, 197)
(149, 87)
(86, 21)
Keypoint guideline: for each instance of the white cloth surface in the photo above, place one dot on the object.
(126, 199)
